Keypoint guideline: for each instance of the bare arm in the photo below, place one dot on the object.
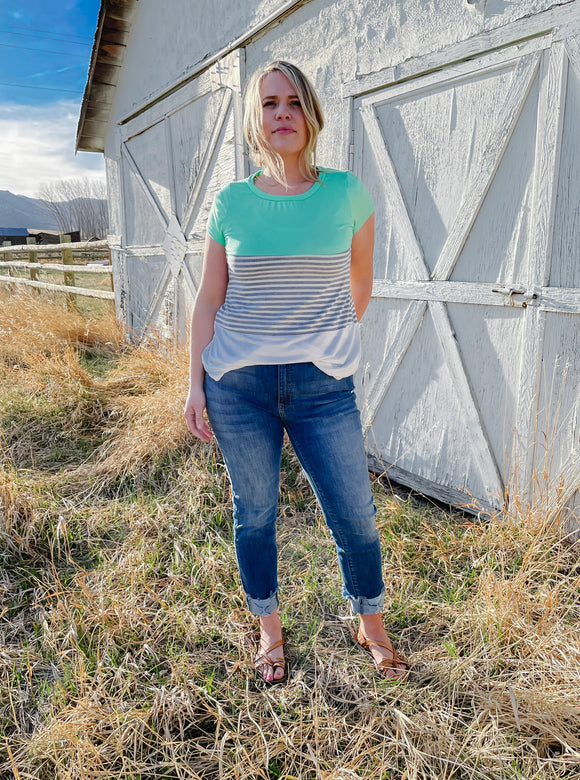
(361, 266)
(210, 296)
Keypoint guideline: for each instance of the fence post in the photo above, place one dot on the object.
(8, 256)
(33, 258)
(69, 277)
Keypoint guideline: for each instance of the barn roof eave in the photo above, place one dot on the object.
(113, 26)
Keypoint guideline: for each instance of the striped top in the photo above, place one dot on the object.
(288, 298)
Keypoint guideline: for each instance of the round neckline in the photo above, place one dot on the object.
(268, 196)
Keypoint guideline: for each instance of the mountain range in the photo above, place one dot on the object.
(19, 211)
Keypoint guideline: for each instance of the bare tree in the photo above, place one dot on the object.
(77, 204)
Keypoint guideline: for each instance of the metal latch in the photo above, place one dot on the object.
(510, 291)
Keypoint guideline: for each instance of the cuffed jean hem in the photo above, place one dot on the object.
(263, 607)
(361, 606)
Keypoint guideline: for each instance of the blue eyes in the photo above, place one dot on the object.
(270, 103)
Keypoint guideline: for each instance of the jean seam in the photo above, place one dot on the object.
(220, 389)
(328, 514)
(242, 569)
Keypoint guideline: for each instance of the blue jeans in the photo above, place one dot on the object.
(248, 409)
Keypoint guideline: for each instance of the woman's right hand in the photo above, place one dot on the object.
(210, 296)
(193, 412)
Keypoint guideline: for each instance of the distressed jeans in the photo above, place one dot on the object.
(249, 409)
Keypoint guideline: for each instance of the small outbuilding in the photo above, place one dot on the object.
(13, 236)
(462, 119)
(18, 236)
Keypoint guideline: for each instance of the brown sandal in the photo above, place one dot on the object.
(386, 663)
(274, 663)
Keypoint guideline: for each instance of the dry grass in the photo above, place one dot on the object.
(126, 649)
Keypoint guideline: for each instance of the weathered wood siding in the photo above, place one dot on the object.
(465, 162)
(170, 162)
(461, 118)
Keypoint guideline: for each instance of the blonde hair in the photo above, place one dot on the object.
(262, 152)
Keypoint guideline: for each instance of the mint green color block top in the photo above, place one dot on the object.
(288, 298)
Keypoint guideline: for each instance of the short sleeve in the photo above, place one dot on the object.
(360, 202)
(215, 226)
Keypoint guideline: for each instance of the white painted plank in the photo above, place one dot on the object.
(120, 283)
(569, 27)
(561, 299)
(394, 197)
(564, 257)
(87, 269)
(478, 293)
(212, 150)
(189, 93)
(356, 137)
(472, 417)
(234, 80)
(57, 248)
(194, 246)
(572, 45)
(144, 251)
(548, 140)
(571, 474)
(114, 189)
(527, 403)
(556, 476)
(175, 285)
(189, 280)
(540, 30)
(157, 298)
(69, 290)
(169, 145)
(393, 359)
(548, 146)
(523, 77)
(147, 191)
(123, 225)
(450, 71)
(426, 487)
(560, 392)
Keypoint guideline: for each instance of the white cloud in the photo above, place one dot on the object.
(38, 145)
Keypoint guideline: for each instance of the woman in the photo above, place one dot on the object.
(274, 342)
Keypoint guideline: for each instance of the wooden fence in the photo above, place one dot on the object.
(70, 253)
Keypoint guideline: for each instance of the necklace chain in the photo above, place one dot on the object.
(274, 183)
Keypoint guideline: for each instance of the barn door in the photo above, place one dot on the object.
(470, 341)
(174, 157)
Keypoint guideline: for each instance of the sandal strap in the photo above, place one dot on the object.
(274, 646)
(264, 658)
(392, 663)
(274, 663)
(377, 643)
(367, 643)
(385, 663)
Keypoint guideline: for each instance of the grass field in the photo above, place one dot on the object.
(125, 647)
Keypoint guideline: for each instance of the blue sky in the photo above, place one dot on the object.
(45, 49)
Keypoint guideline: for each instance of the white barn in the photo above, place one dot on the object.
(461, 116)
